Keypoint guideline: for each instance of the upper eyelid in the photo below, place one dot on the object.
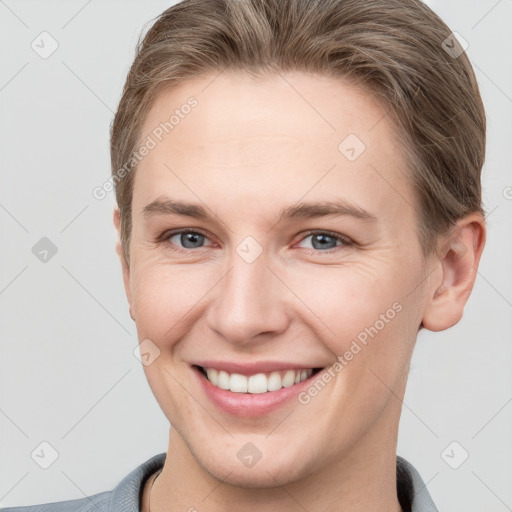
(167, 235)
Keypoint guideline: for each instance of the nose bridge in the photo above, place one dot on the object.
(250, 299)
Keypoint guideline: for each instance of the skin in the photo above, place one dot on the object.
(245, 156)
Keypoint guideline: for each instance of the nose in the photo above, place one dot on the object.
(249, 305)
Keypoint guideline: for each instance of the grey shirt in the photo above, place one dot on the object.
(127, 495)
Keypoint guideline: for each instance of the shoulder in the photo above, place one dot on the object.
(98, 503)
(412, 490)
(124, 497)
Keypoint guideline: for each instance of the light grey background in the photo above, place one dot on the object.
(68, 373)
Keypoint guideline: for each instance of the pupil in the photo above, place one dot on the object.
(321, 237)
(193, 238)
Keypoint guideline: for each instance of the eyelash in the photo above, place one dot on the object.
(345, 241)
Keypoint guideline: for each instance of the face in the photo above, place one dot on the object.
(294, 246)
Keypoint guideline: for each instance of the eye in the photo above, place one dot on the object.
(325, 241)
(187, 238)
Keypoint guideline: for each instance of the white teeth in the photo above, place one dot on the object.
(238, 383)
(259, 383)
(212, 374)
(223, 380)
(274, 382)
(289, 379)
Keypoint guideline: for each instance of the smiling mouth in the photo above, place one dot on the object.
(258, 383)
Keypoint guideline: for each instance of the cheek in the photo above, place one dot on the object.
(360, 314)
(346, 299)
(169, 299)
(339, 304)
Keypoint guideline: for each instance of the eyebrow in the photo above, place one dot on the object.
(166, 206)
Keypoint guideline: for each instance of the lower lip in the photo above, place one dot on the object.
(249, 405)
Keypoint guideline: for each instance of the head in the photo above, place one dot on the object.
(242, 126)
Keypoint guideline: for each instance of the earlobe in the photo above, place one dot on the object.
(453, 282)
(117, 218)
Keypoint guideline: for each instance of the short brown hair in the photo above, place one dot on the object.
(398, 49)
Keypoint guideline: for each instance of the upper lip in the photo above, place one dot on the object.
(254, 367)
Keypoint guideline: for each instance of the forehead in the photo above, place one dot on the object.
(314, 109)
(286, 132)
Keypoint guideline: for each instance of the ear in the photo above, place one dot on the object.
(124, 264)
(458, 259)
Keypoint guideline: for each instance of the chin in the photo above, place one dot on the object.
(267, 472)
